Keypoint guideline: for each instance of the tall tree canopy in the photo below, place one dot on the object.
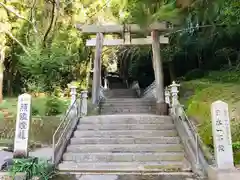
(40, 49)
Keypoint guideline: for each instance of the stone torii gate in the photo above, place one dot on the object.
(155, 40)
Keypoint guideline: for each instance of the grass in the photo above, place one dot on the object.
(9, 105)
(42, 126)
(198, 95)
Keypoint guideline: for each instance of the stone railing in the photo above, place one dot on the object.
(101, 94)
(69, 121)
(197, 153)
(150, 91)
(136, 87)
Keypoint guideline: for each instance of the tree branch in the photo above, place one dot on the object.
(15, 39)
(18, 15)
(50, 25)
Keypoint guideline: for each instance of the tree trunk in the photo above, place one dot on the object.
(89, 68)
(1, 84)
(2, 57)
(171, 71)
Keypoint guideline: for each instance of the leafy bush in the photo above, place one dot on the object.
(33, 86)
(194, 74)
(35, 111)
(32, 167)
(224, 76)
(53, 106)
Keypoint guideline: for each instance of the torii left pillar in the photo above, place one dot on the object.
(97, 69)
(161, 105)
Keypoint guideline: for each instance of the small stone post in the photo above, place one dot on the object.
(73, 93)
(224, 167)
(174, 93)
(84, 96)
(222, 137)
(22, 126)
(167, 96)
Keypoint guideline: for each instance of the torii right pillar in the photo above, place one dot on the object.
(161, 105)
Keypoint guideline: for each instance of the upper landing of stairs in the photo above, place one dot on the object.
(120, 93)
(125, 101)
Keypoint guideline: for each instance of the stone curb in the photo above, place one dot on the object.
(7, 176)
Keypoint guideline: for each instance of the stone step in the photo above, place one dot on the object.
(114, 113)
(126, 126)
(127, 119)
(125, 133)
(135, 107)
(120, 89)
(120, 92)
(124, 140)
(130, 108)
(122, 157)
(120, 95)
(136, 104)
(108, 111)
(134, 176)
(162, 166)
(129, 100)
(125, 148)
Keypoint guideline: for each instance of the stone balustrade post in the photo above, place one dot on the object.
(83, 104)
(73, 93)
(167, 96)
(105, 83)
(174, 93)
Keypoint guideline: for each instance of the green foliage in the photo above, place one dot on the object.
(145, 12)
(33, 167)
(225, 76)
(236, 146)
(194, 74)
(53, 106)
(203, 93)
(35, 110)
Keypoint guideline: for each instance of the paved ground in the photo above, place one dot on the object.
(130, 177)
(43, 153)
(4, 155)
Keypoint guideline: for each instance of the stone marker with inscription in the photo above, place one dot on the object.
(222, 135)
(22, 126)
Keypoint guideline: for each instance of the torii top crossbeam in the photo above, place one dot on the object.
(126, 30)
(133, 28)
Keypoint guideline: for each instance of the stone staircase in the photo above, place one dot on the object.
(124, 143)
(126, 138)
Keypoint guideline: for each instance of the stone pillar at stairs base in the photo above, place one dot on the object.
(223, 174)
(162, 108)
